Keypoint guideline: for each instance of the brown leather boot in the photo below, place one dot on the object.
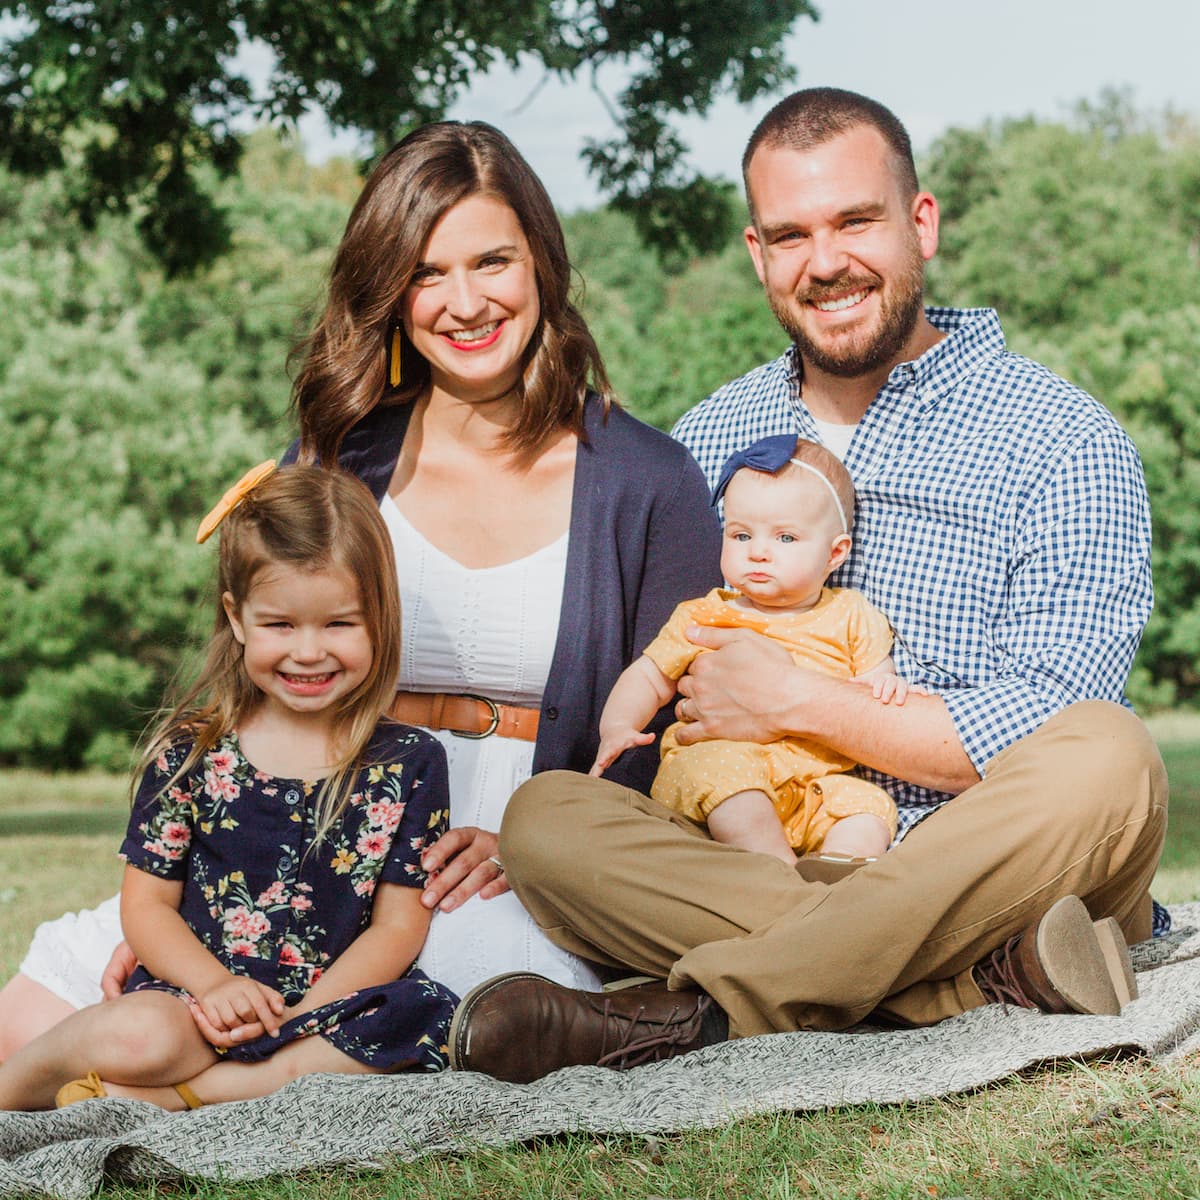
(1062, 963)
(519, 1027)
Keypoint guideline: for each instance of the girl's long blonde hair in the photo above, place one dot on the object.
(311, 519)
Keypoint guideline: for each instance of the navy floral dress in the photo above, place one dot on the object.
(268, 906)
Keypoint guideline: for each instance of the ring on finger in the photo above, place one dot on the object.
(499, 865)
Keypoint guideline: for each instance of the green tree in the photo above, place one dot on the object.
(127, 404)
(670, 338)
(1068, 225)
(136, 97)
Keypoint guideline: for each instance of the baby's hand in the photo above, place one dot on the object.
(237, 1002)
(891, 689)
(614, 743)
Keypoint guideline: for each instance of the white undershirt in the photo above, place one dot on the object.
(837, 438)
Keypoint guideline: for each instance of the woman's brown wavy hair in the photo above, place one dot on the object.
(344, 372)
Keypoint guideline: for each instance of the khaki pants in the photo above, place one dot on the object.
(1079, 807)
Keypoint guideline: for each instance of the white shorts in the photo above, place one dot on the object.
(69, 955)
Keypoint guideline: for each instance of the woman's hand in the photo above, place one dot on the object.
(461, 864)
(117, 973)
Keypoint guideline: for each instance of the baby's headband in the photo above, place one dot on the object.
(233, 497)
(771, 454)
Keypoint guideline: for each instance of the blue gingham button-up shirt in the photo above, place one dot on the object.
(1002, 525)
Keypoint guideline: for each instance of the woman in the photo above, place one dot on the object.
(542, 535)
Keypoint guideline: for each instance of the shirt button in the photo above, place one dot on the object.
(552, 714)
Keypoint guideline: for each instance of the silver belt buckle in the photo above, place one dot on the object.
(474, 737)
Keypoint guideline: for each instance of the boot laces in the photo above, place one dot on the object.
(642, 1041)
(999, 978)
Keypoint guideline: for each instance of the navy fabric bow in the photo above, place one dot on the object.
(769, 454)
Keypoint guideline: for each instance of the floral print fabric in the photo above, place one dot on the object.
(270, 904)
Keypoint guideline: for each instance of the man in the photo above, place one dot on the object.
(1003, 526)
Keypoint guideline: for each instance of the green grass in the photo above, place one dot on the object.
(1178, 875)
(1120, 1128)
(1075, 1132)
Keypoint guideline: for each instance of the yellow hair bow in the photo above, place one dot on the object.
(233, 497)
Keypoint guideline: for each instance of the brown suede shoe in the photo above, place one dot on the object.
(1063, 963)
(519, 1027)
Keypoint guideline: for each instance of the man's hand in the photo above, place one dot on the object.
(117, 973)
(749, 690)
(743, 691)
(461, 863)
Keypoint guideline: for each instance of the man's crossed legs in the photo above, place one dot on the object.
(1077, 808)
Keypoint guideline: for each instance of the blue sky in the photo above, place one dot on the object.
(936, 64)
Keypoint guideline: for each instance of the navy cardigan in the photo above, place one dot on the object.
(643, 537)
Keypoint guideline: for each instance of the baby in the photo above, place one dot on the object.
(789, 504)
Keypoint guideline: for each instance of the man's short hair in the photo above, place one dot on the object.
(813, 116)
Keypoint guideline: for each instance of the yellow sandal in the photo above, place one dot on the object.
(87, 1088)
(90, 1087)
(188, 1096)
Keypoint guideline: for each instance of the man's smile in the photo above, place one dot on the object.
(842, 302)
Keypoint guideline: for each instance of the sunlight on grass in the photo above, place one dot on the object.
(44, 877)
(1072, 1132)
(40, 791)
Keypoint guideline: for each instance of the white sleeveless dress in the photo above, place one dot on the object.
(490, 631)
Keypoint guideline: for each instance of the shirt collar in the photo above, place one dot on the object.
(972, 334)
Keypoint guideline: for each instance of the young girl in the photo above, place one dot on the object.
(789, 506)
(273, 879)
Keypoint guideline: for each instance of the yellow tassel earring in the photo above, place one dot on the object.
(394, 359)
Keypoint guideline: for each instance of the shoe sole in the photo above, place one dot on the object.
(1116, 958)
(1070, 951)
(459, 1038)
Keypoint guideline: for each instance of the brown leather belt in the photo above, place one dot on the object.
(465, 715)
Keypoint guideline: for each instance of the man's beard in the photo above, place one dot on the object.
(849, 358)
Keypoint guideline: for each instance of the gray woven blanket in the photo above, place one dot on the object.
(331, 1119)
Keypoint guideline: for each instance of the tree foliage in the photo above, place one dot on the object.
(127, 403)
(137, 98)
(129, 400)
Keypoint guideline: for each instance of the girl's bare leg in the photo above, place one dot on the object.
(244, 1081)
(27, 1010)
(140, 1038)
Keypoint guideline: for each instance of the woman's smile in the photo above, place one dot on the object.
(472, 305)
